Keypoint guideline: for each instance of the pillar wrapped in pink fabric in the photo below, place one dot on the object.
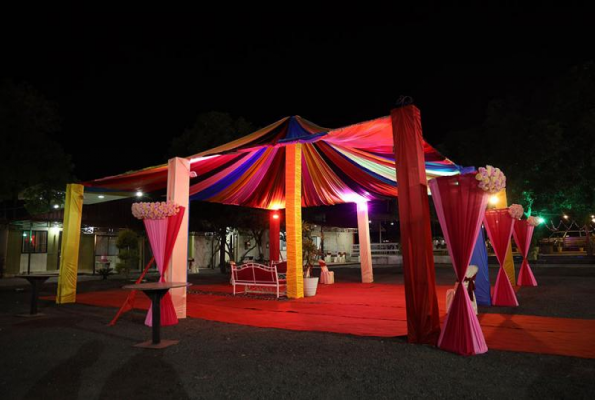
(523, 232)
(162, 235)
(500, 225)
(460, 205)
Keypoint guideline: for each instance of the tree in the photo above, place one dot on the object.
(253, 223)
(127, 244)
(543, 141)
(33, 166)
(210, 129)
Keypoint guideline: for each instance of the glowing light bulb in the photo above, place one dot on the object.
(139, 194)
(540, 220)
(493, 200)
(565, 216)
(56, 206)
(101, 196)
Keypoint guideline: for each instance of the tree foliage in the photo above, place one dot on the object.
(543, 141)
(128, 252)
(211, 129)
(33, 165)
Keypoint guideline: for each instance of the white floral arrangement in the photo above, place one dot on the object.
(516, 211)
(156, 210)
(491, 179)
(533, 221)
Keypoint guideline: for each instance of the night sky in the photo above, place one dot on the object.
(126, 85)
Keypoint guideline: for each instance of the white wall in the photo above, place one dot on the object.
(39, 262)
(338, 242)
(202, 250)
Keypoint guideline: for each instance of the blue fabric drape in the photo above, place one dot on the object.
(482, 281)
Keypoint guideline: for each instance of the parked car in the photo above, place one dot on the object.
(568, 240)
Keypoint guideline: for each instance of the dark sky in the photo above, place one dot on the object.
(126, 85)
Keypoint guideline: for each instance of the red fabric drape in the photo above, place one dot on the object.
(499, 225)
(129, 302)
(423, 320)
(460, 205)
(168, 312)
(523, 232)
(274, 227)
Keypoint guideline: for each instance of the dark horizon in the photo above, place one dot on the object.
(126, 85)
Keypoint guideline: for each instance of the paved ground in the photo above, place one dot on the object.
(71, 354)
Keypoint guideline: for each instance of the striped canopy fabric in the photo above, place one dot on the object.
(343, 165)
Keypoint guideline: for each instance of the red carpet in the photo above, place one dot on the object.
(369, 310)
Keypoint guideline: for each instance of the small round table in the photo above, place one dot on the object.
(155, 291)
(35, 280)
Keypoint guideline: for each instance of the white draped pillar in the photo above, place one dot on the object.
(365, 251)
(178, 187)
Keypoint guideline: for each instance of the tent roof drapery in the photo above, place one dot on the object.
(338, 166)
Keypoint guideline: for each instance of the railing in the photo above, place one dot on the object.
(379, 249)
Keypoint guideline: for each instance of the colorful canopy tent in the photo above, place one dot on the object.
(343, 165)
(294, 163)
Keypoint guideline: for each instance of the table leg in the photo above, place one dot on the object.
(156, 299)
(34, 291)
(156, 342)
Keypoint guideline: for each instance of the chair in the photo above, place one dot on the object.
(326, 277)
(469, 284)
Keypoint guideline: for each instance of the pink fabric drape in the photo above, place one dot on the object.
(162, 236)
(523, 232)
(499, 225)
(460, 205)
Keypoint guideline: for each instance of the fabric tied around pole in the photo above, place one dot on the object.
(500, 225)
(326, 277)
(162, 235)
(460, 205)
(482, 281)
(523, 232)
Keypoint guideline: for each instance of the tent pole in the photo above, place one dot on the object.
(293, 220)
(71, 237)
(365, 249)
(178, 188)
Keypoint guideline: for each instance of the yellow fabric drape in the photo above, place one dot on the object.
(508, 261)
(293, 220)
(71, 236)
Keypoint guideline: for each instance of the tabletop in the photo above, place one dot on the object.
(156, 285)
(25, 276)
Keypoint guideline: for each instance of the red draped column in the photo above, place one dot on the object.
(523, 232)
(423, 322)
(274, 227)
(500, 225)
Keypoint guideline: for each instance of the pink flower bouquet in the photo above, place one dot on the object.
(491, 179)
(157, 210)
(533, 221)
(516, 211)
